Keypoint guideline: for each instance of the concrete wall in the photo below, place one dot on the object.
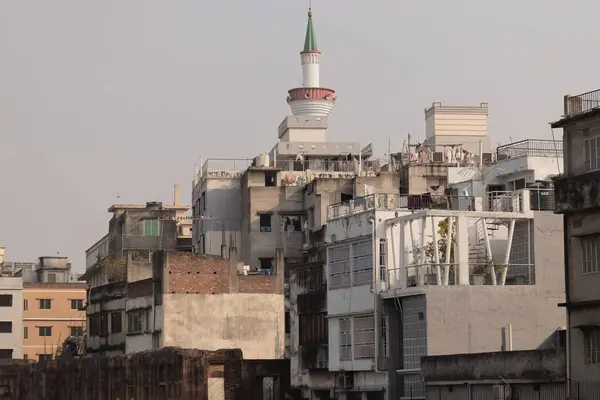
(251, 322)
(13, 340)
(469, 319)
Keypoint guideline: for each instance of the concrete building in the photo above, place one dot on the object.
(453, 126)
(52, 313)
(11, 317)
(523, 375)
(206, 302)
(526, 164)
(446, 281)
(124, 256)
(577, 199)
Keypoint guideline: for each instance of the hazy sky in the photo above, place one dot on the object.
(99, 98)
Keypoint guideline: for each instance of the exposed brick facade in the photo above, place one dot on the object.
(188, 273)
(165, 374)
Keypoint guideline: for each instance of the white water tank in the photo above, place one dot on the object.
(262, 160)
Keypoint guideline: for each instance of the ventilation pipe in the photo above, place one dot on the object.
(176, 195)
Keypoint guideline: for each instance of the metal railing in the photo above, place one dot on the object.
(225, 167)
(344, 166)
(503, 201)
(581, 103)
(530, 147)
(392, 202)
(431, 274)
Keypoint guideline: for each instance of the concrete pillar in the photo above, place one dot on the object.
(461, 253)
(395, 358)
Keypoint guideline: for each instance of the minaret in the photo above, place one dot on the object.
(311, 98)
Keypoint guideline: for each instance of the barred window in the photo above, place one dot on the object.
(591, 340)
(339, 267)
(590, 254)
(363, 263)
(345, 340)
(382, 260)
(364, 338)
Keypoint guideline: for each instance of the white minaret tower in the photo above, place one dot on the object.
(311, 98)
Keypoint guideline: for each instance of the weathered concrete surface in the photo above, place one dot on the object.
(168, 373)
(543, 365)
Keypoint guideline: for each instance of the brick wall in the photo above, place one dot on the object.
(165, 374)
(188, 273)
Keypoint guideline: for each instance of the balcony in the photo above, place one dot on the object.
(530, 147)
(581, 103)
(447, 275)
(577, 193)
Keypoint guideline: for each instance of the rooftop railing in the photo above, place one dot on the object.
(581, 103)
(392, 202)
(530, 147)
(431, 274)
(225, 167)
(352, 166)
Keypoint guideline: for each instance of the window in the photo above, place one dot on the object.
(364, 338)
(363, 263)
(339, 267)
(265, 222)
(384, 346)
(45, 357)
(76, 304)
(51, 278)
(345, 340)
(520, 184)
(151, 227)
(45, 330)
(292, 223)
(25, 304)
(76, 331)
(590, 254)
(382, 260)
(5, 326)
(270, 178)
(6, 353)
(287, 322)
(6, 300)
(266, 263)
(135, 322)
(94, 325)
(591, 340)
(591, 154)
(25, 332)
(116, 322)
(45, 304)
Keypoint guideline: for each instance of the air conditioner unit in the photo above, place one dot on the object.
(345, 380)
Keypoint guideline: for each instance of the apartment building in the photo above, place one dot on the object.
(52, 312)
(577, 199)
(11, 317)
(124, 256)
(449, 277)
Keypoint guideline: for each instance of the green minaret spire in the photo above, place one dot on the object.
(310, 42)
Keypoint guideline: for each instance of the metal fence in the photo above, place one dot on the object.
(582, 102)
(530, 147)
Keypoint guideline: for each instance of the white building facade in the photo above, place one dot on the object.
(449, 279)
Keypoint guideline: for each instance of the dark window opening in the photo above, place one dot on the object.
(6, 353)
(346, 197)
(77, 304)
(76, 331)
(45, 357)
(520, 184)
(265, 222)
(5, 326)
(45, 331)
(266, 264)
(287, 322)
(6, 300)
(292, 223)
(45, 304)
(116, 322)
(270, 178)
